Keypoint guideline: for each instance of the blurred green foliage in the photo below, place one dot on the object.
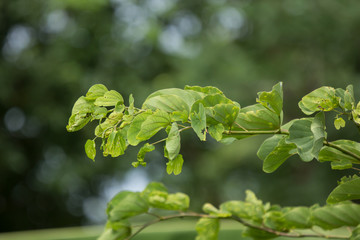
(53, 51)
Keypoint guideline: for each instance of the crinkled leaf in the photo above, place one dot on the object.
(198, 122)
(210, 209)
(110, 98)
(318, 130)
(274, 220)
(226, 113)
(321, 99)
(206, 90)
(175, 165)
(96, 91)
(115, 144)
(90, 149)
(131, 109)
(152, 124)
(118, 230)
(153, 187)
(207, 229)
(126, 204)
(100, 113)
(141, 154)
(78, 121)
(173, 141)
(216, 131)
(349, 190)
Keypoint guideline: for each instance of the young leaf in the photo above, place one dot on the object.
(207, 229)
(198, 122)
(173, 141)
(90, 149)
(175, 166)
(152, 124)
(110, 98)
(131, 105)
(339, 123)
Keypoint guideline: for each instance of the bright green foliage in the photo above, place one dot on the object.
(348, 190)
(207, 110)
(207, 229)
(90, 149)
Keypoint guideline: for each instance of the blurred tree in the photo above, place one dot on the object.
(52, 51)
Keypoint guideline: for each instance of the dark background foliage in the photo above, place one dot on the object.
(53, 51)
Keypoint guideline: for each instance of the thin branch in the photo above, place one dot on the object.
(262, 228)
(161, 140)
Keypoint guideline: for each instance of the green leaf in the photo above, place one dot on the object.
(258, 234)
(131, 109)
(100, 113)
(175, 165)
(135, 127)
(216, 131)
(96, 91)
(355, 233)
(206, 90)
(115, 144)
(347, 100)
(274, 151)
(126, 204)
(153, 187)
(173, 141)
(318, 130)
(77, 122)
(210, 209)
(335, 216)
(302, 135)
(226, 113)
(339, 123)
(80, 114)
(198, 122)
(207, 229)
(273, 99)
(349, 190)
(167, 103)
(185, 95)
(118, 230)
(152, 124)
(110, 98)
(340, 159)
(141, 154)
(90, 149)
(257, 117)
(321, 99)
(298, 217)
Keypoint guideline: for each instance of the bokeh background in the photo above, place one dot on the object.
(52, 51)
